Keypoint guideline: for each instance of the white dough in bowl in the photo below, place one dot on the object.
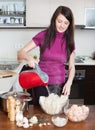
(53, 104)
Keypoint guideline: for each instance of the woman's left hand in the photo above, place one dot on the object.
(71, 70)
(66, 89)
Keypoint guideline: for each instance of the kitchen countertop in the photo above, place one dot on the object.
(8, 82)
(88, 124)
(88, 61)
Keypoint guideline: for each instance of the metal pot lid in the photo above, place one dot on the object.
(15, 94)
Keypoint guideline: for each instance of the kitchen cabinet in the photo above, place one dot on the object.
(89, 3)
(84, 88)
(89, 13)
(12, 13)
(39, 13)
(34, 13)
(89, 88)
(77, 7)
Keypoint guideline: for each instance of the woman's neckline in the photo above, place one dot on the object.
(60, 33)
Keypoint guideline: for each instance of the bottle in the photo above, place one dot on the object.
(19, 116)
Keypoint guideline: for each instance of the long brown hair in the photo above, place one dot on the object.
(69, 33)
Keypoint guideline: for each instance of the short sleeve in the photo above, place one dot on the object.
(39, 38)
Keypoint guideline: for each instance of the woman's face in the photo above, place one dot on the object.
(62, 23)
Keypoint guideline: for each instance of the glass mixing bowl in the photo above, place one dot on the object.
(77, 113)
(53, 104)
(59, 120)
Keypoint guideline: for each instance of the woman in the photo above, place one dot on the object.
(57, 47)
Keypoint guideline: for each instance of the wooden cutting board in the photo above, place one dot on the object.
(6, 73)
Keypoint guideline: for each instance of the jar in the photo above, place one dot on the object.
(12, 20)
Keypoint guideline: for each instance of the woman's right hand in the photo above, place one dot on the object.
(23, 54)
(31, 63)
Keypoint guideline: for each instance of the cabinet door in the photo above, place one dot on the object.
(89, 96)
(89, 3)
(77, 7)
(39, 12)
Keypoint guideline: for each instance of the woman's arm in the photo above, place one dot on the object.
(23, 53)
(71, 74)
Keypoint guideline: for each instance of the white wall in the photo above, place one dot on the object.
(85, 42)
(12, 40)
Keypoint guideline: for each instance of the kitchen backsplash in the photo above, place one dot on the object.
(11, 40)
(85, 42)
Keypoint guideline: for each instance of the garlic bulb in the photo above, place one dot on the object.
(33, 120)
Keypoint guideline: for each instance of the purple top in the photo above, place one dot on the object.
(53, 59)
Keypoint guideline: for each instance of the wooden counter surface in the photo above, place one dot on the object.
(88, 124)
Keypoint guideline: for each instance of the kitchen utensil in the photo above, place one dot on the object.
(33, 78)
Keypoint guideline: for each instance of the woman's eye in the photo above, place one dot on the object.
(66, 23)
(59, 21)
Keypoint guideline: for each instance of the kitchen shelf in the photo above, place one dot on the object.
(80, 26)
(84, 27)
(12, 13)
(25, 27)
(20, 27)
(17, 13)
